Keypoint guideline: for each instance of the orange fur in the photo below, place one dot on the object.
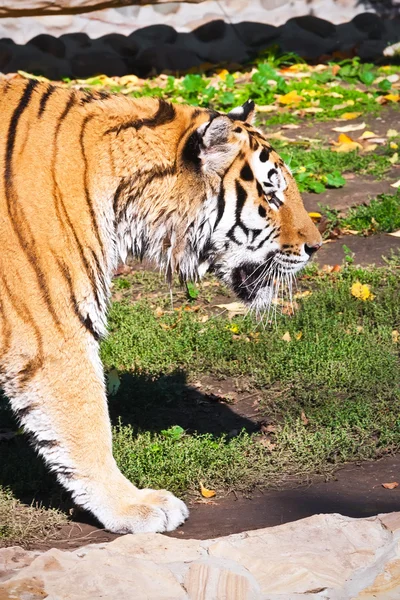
(79, 171)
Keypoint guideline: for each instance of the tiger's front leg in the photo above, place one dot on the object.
(63, 404)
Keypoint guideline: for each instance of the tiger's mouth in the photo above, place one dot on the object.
(250, 278)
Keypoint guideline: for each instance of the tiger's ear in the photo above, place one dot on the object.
(245, 113)
(216, 146)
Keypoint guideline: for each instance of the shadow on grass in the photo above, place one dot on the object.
(145, 403)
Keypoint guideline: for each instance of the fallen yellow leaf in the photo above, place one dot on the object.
(290, 98)
(314, 215)
(395, 185)
(128, 80)
(367, 134)
(395, 336)
(299, 335)
(392, 133)
(345, 144)
(361, 291)
(287, 337)
(347, 116)
(302, 294)
(206, 493)
(392, 97)
(394, 159)
(222, 73)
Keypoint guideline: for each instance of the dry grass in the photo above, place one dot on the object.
(21, 524)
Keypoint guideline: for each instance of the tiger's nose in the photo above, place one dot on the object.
(311, 249)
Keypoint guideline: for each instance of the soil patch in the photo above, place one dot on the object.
(366, 250)
(355, 491)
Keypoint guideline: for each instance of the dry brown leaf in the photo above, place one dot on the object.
(390, 486)
(234, 308)
(370, 147)
(264, 441)
(266, 108)
(158, 312)
(395, 185)
(395, 336)
(290, 126)
(206, 493)
(392, 133)
(303, 418)
(395, 233)
(350, 127)
(287, 337)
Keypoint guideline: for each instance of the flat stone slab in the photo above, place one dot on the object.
(324, 556)
(357, 191)
(366, 250)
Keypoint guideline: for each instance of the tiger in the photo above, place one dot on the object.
(89, 178)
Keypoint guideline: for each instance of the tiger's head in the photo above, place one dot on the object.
(261, 234)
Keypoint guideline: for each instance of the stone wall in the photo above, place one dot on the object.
(184, 17)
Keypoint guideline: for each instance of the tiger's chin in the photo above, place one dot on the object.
(260, 285)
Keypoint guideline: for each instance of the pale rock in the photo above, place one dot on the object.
(321, 557)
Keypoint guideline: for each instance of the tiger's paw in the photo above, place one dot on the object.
(153, 511)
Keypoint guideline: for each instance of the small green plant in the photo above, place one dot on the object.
(122, 284)
(192, 291)
(382, 214)
(348, 255)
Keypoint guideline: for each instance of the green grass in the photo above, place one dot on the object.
(354, 88)
(382, 214)
(331, 396)
(317, 168)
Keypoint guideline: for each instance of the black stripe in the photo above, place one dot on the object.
(45, 98)
(273, 232)
(85, 321)
(28, 246)
(246, 173)
(12, 131)
(241, 196)
(93, 217)
(165, 114)
(221, 205)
